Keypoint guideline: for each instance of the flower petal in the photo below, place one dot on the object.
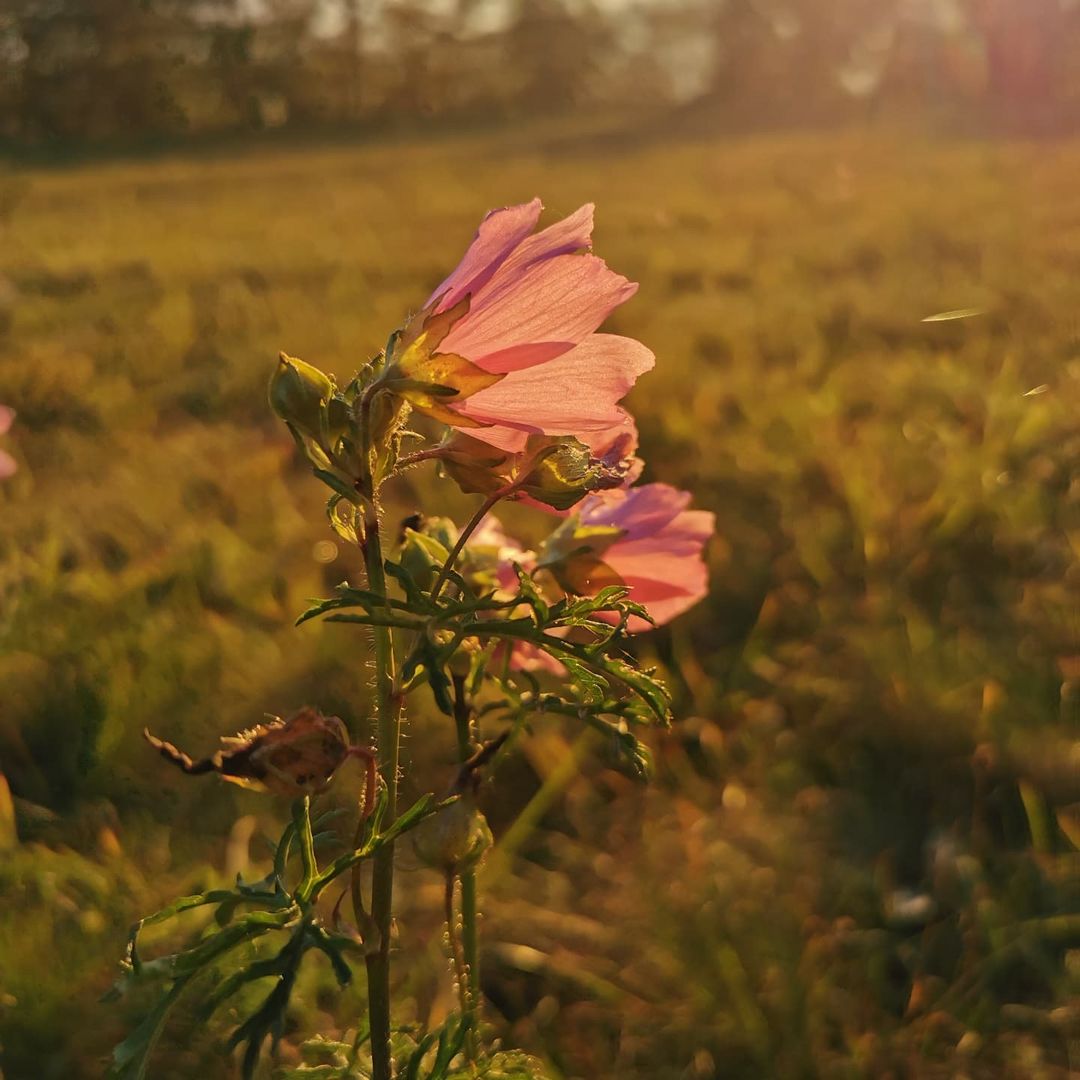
(537, 314)
(573, 233)
(665, 600)
(499, 234)
(7, 417)
(639, 512)
(574, 394)
(8, 466)
(660, 555)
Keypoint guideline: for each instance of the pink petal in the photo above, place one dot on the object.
(7, 416)
(573, 233)
(535, 315)
(499, 234)
(8, 467)
(575, 394)
(660, 555)
(641, 511)
(665, 601)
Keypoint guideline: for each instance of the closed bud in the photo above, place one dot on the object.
(561, 470)
(477, 467)
(455, 838)
(299, 394)
(423, 556)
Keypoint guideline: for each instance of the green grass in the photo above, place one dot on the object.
(879, 699)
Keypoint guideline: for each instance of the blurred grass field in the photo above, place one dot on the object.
(861, 853)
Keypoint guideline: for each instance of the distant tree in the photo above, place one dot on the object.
(553, 54)
(100, 69)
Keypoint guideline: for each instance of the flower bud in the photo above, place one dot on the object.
(477, 467)
(423, 556)
(299, 394)
(562, 471)
(455, 838)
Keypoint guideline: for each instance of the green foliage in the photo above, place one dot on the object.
(602, 683)
(289, 911)
(436, 1055)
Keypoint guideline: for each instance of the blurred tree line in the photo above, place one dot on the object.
(106, 69)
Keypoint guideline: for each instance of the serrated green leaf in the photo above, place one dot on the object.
(344, 519)
(593, 687)
(332, 947)
(438, 680)
(413, 593)
(259, 969)
(531, 595)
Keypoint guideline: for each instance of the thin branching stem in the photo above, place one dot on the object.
(481, 512)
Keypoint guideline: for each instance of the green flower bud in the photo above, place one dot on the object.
(561, 471)
(455, 838)
(423, 557)
(299, 394)
(477, 467)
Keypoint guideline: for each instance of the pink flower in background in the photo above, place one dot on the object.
(535, 301)
(7, 462)
(644, 538)
(491, 545)
(490, 540)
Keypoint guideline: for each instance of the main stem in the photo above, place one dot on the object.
(469, 938)
(388, 726)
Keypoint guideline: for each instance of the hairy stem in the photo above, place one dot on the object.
(470, 987)
(388, 729)
(461, 972)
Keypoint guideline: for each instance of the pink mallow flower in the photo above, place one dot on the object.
(7, 462)
(644, 538)
(523, 307)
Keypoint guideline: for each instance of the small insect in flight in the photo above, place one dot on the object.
(292, 758)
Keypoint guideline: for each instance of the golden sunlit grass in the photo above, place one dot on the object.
(856, 860)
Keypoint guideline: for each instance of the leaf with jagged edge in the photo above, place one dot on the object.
(593, 687)
(437, 678)
(530, 594)
(503, 1065)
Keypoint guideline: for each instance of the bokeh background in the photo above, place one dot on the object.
(860, 856)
